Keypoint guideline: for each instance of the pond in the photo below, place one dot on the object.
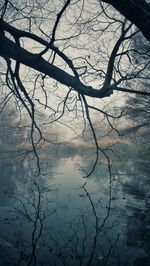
(60, 218)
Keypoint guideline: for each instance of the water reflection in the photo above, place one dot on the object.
(59, 219)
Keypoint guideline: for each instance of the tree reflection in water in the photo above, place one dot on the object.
(50, 221)
(138, 224)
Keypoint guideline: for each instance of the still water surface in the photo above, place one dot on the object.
(61, 218)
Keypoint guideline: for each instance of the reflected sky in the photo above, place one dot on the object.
(60, 218)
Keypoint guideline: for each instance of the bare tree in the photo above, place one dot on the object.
(138, 105)
(56, 56)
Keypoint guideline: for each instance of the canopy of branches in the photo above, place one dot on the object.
(57, 54)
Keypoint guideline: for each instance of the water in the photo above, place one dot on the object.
(61, 218)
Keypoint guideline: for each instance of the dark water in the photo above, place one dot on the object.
(60, 218)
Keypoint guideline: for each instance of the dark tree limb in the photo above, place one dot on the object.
(137, 11)
(11, 50)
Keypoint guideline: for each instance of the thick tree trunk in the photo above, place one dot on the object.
(137, 11)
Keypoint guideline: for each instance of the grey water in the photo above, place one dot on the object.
(60, 218)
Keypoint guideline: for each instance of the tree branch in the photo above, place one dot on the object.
(138, 12)
(9, 49)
